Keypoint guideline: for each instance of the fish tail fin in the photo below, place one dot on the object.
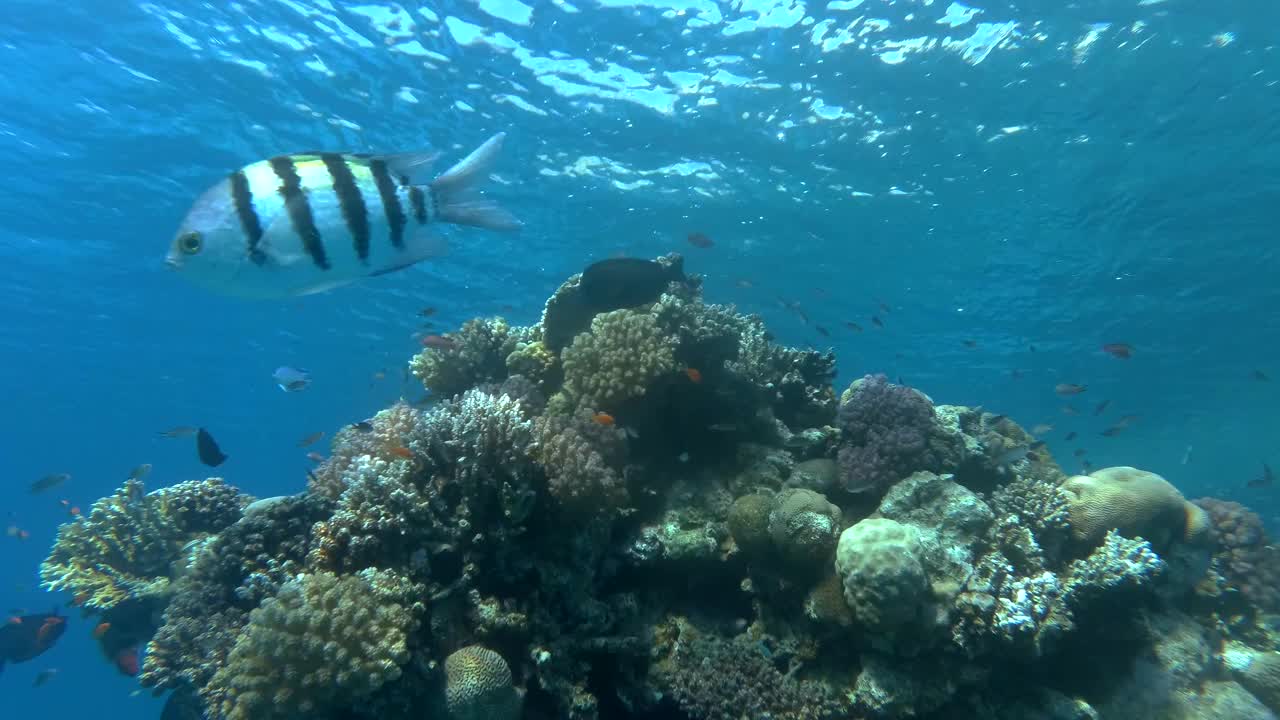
(456, 195)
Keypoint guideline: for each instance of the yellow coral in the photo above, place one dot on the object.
(1135, 503)
(616, 360)
(324, 639)
(478, 686)
(535, 361)
(127, 546)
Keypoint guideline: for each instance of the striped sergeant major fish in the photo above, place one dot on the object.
(305, 223)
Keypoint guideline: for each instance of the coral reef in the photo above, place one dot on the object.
(644, 507)
(124, 549)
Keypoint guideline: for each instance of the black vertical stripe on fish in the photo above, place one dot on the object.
(390, 200)
(250, 224)
(350, 201)
(418, 200)
(299, 207)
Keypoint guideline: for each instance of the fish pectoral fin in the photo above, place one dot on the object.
(412, 168)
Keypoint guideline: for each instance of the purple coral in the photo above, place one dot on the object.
(885, 430)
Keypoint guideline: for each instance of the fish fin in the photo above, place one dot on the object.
(455, 191)
(412, 167)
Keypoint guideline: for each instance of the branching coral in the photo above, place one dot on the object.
(125, 548)
(475, 354)
(713, 678)
(322, 640)
(356, 446)
(886, 429)
(622, 354)
(224, 578)
(1032, 522)
(795, 382)
(583, 461)
(1243, 554)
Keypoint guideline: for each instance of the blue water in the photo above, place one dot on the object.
(1047, 174)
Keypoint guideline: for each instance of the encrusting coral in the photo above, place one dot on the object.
(644, 506)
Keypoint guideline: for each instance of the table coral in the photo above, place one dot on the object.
(126, 546)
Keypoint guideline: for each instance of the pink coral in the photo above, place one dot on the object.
(1243, 554)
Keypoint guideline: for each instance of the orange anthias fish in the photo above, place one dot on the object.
(1124, 351)
(694, 375)
(101, 630)
(126, 661)
(401, 451)
(604, 418)
(26, 637)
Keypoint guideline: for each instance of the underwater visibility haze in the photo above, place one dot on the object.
(640, 360)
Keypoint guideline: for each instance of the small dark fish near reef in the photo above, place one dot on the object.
(619, 283)
(1265, 480)
(700, 240)
(26, 637)
(49, 482)
(44, 676)
(207, 448)
(1124, 351)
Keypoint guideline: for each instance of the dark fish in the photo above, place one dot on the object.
(1015, 373)
(1267, 479)
(1260, 376)
(1126, 420)
(700, 240)
(1124, 351)
(1101, 408)
(884, 308)
(1079, 452)
(315, 457)
(310, 439)
(1070, 410)
(44, 676)
(26, 637)
(970, 343)
(178, 432)
(363, 426)
(876, 321)
(853, 326)
(723, 427)
(1069, 388)
(49, 482)
(1113, 431)
(822, 331)
(1037, 445)
(312, 477)
(140, 472)
(427, 311)
(1070, 436)
(626, 282)
(207, 448)
(1032, 348)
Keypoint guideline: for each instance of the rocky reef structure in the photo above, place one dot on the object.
(643, 507)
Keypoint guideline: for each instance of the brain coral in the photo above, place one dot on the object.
(803, 525)
(324, 640)
(126, 546)
(617, 359)
(880, 563)
(1135, 503)
(478, 686)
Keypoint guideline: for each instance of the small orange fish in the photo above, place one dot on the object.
(126, 661)
(100, 630)
(74, 510)
(80, 599)
(1069, 388)
(700, 240)
(1124, 351)
(604, 419)
(401, 451)
(694, 375)
(438, 342)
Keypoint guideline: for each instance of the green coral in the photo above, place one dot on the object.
(617, 359)
(126, 547)
(477, 353)
(478, 686)
(323, 640)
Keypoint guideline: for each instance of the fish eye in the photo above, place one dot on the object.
(190, 243)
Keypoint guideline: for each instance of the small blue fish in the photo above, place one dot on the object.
(291, 379)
